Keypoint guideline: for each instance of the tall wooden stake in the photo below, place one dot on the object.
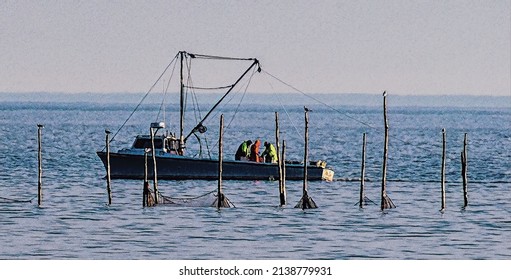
(386, 202)
(443, 169)
(283, 168)
(279, 161)
(306, 202)
(145, 191)
(464, 172)
(221, 201)
(277, 143)
(306, 154)
(108, 181)
(40, 165)
(363, 172)
(220, 195)
(155, 175)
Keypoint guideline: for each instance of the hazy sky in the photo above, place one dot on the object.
(404, 47)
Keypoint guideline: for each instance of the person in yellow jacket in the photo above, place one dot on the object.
(270, 153)
(243, 151)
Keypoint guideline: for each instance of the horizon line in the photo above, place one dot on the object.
(312, 93)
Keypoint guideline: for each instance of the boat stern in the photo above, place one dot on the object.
(328, 175)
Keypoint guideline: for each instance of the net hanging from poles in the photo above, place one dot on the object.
(209, 199)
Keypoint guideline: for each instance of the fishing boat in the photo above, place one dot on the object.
(172, 160)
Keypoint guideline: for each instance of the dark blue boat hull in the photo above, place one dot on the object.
(127, 166)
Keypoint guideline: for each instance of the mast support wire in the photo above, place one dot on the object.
(143, 98)
(317, 100)
(255, 63)
(329, 106)
(205, 56)
(209, 88)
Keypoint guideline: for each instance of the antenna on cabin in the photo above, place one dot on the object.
(157, 126)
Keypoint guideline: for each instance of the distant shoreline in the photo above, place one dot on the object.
(333, 99)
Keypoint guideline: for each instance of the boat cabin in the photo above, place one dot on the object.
(163, 144)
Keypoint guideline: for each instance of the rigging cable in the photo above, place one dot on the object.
(319, 101)
(329, 106)
(209, 88)
(287, 113)
(255, 63)
(143, 98)
(242, 97)
(165, 90)
(205, 56)
(239, 104)
(190, 89)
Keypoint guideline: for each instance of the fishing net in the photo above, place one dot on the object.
(387, 203)
(209, 199)
(306, 202)
(366, 201)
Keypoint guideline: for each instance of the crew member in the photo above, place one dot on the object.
(254, 152)
(243, 150)
(270, 153)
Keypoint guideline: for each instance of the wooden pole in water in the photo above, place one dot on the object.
(279, 160)
(443, 169)
(277, 143)
(363, 172)
(386, 202)
(40, 165)
(108, 181)
(305, 196)
(145, 190)
(155, 175)
(385, 155)
(306, 153)
(464, 172)
(220, 196)
(283, 168)
(306, 202)
(385, 147)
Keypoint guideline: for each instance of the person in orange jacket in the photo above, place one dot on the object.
(254, 151)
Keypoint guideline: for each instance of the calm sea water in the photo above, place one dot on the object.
(75, 221)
